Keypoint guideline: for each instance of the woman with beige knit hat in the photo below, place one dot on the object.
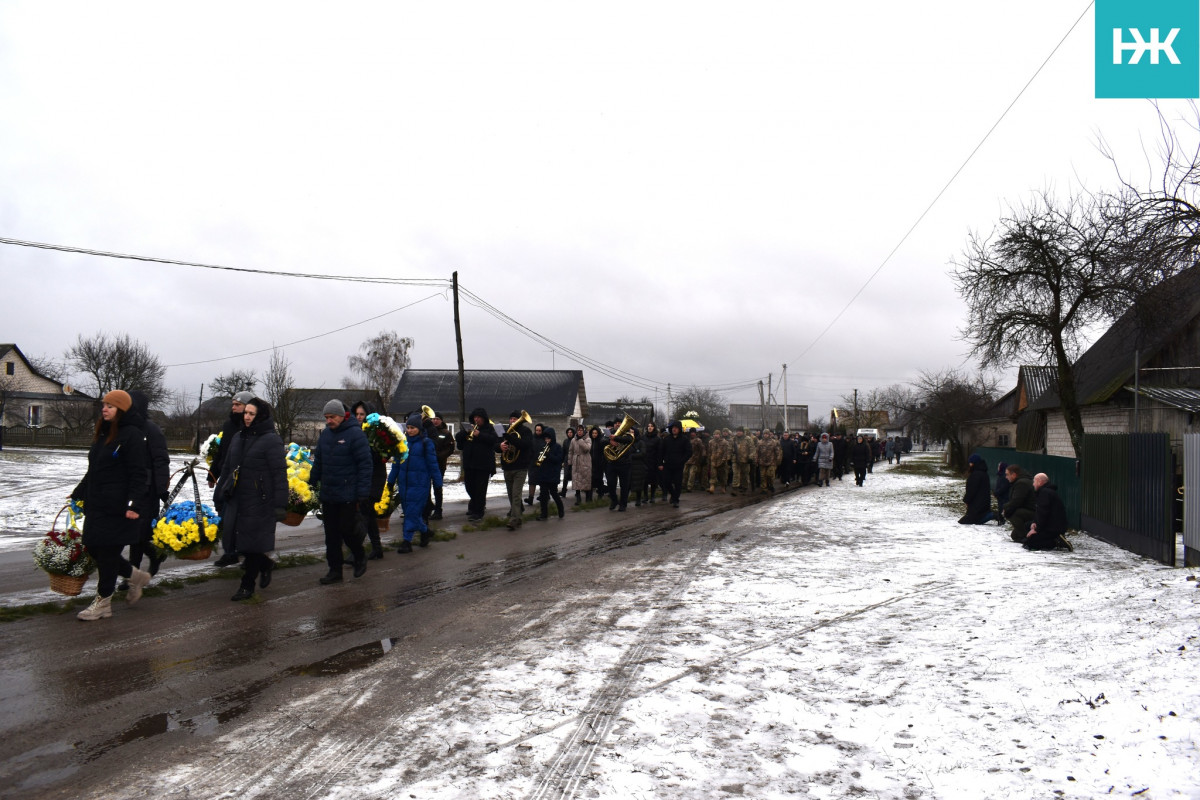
(112, 491)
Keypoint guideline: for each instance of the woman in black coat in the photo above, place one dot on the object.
(254, 484)
(652, 456)
(568, 438)
(599, 462)
(545, 471)
(860, 459)
(112, 491)
(978, 496)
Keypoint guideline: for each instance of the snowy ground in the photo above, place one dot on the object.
(838, 643)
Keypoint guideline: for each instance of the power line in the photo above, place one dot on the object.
(309, 338)
(156, 260)
(957, 172)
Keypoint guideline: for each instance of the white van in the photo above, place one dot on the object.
(868, 432)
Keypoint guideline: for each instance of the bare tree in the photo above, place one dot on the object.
(866, 409)
(234, 381)
(943, 402)
(380, 362)
(117, 362)
(1054, 271)
(277, 383)
(711, 406)
(49, 367)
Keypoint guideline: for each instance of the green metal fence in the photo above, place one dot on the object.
(1128, 490)
(1063, 473)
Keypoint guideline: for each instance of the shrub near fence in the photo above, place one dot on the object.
(1061, 471)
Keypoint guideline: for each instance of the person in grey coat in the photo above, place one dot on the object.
(824, 457)
(254, 484)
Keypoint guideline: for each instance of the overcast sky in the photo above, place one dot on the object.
(688, 192)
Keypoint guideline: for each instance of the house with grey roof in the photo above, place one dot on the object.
(29, 399)
(1141, 375)
(1009, 422)
(751, 415)
(553, 397)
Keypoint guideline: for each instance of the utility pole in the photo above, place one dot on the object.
(462, 397)
(857, 423)
(785, 404)
(668, 403)
(199, 406)
(762, 404)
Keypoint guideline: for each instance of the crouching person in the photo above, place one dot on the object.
(342, 469)
(1049, 517)
(1019, 508)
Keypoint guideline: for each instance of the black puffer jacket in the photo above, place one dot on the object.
(676, 450)
(342, 464)
(1050, 515)
(652, 450)
(256, 455)
(115, 482)
(158, 457)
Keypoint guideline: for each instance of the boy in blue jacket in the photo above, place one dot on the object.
(412, 478)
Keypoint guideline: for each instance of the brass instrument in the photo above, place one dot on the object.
(542, 455)
(614, 451)
(474, 432)
(427, 413)
(513, 453)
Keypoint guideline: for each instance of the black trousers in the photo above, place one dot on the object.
(860, 474)
(476, 483)
(341, 520)
(371, 523)
(109, 566)
(620, 472)
(672, 482)
(254, 564)
(548, 492)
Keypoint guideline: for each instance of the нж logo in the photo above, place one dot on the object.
(1139, 46)
(1129, 30)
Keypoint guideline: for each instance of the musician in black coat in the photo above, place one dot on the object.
(516, 454)
(676, 450)
(545, 472)
(478, 442)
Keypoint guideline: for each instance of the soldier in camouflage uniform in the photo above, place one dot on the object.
(693, 470)
(769, 455)
(718, 462)
(745, 453)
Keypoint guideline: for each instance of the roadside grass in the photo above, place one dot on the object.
(945, 494)
(160, 587)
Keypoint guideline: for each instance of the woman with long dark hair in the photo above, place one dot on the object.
(112, 491)
(255, 487)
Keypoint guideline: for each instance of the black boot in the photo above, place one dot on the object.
(562, 511)
(588, 495)
(333, 576)
(264, 577)
(404, 547)
(360, 566)
(578, 497)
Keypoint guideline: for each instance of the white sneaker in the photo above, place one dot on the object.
(137, 581)
(100, 608)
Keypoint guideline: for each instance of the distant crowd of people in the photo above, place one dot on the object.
(1030, 503)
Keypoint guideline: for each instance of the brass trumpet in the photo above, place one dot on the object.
(542, 455)
(513, 452)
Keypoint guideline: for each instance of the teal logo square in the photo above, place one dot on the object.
(1148, 48)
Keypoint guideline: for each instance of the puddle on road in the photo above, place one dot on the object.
(229, 706)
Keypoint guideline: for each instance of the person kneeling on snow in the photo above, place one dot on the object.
(412, 478)
(978, 496)
(1049, 517)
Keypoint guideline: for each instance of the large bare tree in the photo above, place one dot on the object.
(277, 382)
(941, 402)
(379, 363)
(234, 381)
(1051, 273)
(117, 362)
(710, 405)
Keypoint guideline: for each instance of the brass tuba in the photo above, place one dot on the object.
(614, 451)
(513, 452)
(427, 413)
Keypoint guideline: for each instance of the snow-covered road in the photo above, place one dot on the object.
(840, 642)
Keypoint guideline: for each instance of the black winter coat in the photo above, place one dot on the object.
(1020, 499)
(599, 462)
(342, 464)
(479, 452)
(676, 450)
(115, 482)
(978, 496)
(860, 455)
(230, 429)
(652, 451)
(637, 455)
(549, 471)
(158, 458)
(256, 455)
(1050, 515)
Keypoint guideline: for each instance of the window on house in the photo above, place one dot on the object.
(1002, 440)
(35, 416)
(10, 368)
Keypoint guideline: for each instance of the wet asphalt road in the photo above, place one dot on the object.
(101, 704)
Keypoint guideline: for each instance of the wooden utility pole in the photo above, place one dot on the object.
(462, 394)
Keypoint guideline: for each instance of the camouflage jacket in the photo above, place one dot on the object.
(699, 453)
(769, 453)
(745, 450)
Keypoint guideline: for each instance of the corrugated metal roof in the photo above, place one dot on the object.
(1038, 381)
(1175, 396)
(499, 391)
